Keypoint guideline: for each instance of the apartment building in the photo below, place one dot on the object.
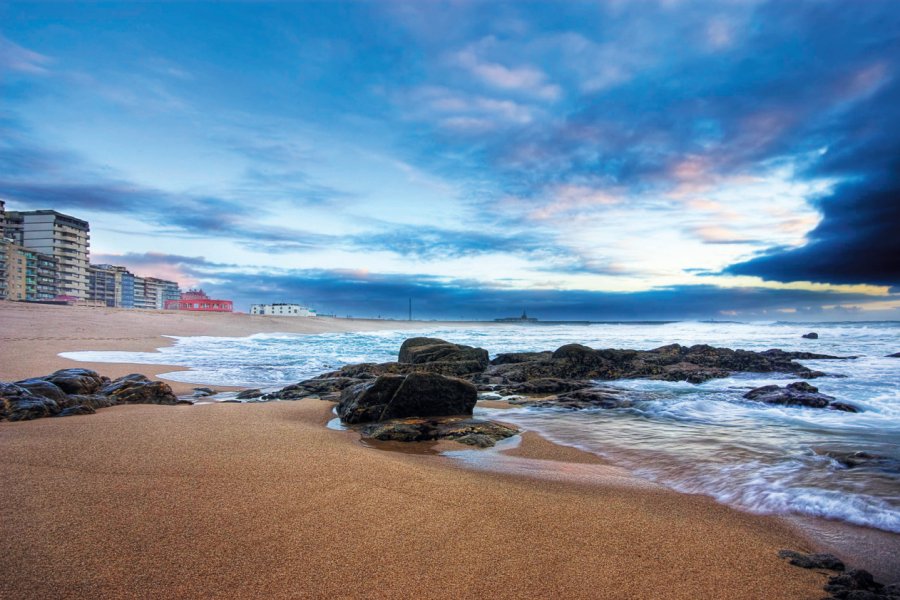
(282, 309)
(59, 236)
(26, 274)
(111, 285)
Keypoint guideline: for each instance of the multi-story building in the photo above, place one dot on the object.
(111, 285)
(152, 293)
(280, 309)
(63, 237)
(26, 274)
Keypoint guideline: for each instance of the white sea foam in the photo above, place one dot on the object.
(702, 438)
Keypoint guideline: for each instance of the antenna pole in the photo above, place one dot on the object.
(410, 309)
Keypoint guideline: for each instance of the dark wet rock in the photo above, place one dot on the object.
(894, 355)
(19, 404)
(43, 388)
(323, 387)
(674, 362)
(77, 381)
(77, 409)
(812, 335)
(510, 358)
(857, 579)
(249, 394)
(578, 399)
(138, 389)
(473, 432)
(399, 396)
(425, 350)
(546, 386)
(799, 393)
(812, 561)
(202, 392)
(861, 459)
(94, 401)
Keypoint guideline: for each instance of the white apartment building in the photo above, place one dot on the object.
(63, 237)
(282, 310)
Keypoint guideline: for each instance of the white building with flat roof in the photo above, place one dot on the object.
(282, 310)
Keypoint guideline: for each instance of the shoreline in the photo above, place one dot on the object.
(532, 447)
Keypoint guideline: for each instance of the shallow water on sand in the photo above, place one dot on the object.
(703, 439)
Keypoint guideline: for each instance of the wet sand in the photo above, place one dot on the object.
(262, 500)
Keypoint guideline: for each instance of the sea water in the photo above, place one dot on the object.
(703, 439)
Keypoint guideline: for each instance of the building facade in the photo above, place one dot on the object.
(198, 301)
(60, 236)
(281, 309)
(26, 274)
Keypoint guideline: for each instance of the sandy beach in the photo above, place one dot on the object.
(262, 500)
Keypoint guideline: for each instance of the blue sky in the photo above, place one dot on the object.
(585, 160)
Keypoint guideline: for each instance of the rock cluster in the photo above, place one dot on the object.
(564, 377)
(78, 392)
(855, 584)
(798, 393)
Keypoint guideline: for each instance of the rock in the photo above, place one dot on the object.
(399, 396)
(812, 561)
(138, 389)
(794, 394)
(520, 357)
(19, 404)
(857, 579)
(843, 406)
(77, 381)
(547, 386)
(202, 392)
(894, 355)
(473, 432)
(853, 460)
(78, 409)
(812, 335)
(249, 394)
(674, 362)
(578, 399)
(43, 388)
(443, 357)
(324, 387)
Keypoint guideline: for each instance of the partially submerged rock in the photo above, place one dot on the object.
(798, 393)
(399, 396)
(595, 397)
(249, 394)
(443, 357)
(812, 561)
(812, 335)
(78, 392)
(473, 432)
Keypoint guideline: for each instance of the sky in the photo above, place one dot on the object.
(602, 160)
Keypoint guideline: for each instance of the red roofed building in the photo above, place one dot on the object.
(198, 301)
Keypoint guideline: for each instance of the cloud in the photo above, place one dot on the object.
(524, 79)
(363, 293)
(15, 58)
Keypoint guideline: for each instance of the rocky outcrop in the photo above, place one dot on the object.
(78, 392)
(674, 362)
(473, 432)
(894, 355)
(594, 397)
(799, 393)
(812, 335)
(399, 396)
(249, 394)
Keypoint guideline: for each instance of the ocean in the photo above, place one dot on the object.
(701, 439)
